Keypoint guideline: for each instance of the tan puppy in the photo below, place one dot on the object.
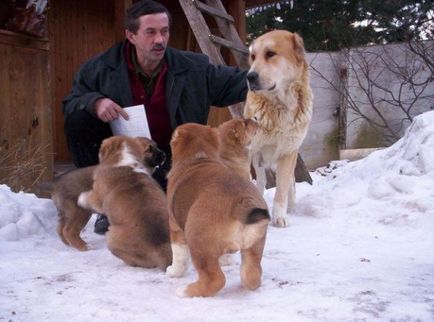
(236, 136)
(280, 99)
(212, 211)
(134, 203)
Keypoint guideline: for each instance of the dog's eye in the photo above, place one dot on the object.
(270, 54)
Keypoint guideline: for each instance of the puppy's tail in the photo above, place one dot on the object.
(256, 215)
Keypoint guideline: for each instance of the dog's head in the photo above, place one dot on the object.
(238, 132)
(193, 141)
(276, 58)
(131, 151)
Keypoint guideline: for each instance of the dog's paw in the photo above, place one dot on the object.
(83, 247)
(182, 291)
(280, 221)
(175, 271)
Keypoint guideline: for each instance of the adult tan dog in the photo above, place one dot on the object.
(134, 203)
(280, 99)
(236, 136)
(213, 211)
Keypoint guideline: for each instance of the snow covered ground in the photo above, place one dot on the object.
(360, 247)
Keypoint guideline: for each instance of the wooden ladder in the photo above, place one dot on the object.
(210, 44)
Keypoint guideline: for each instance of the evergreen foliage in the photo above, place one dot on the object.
(330, 25)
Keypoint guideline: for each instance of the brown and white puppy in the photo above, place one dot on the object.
(212, 211)
(236, 136)
(280, 99)
(134, 203)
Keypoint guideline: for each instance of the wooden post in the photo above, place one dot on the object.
(119, 13)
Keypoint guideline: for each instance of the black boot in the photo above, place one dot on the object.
(101, 224)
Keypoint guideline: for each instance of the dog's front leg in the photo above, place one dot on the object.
(285, 189)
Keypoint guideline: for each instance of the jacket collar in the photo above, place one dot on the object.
(177, 65)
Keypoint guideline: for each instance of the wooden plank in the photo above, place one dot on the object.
(201, 31)
(230, 33)
(25, 106)
(237, 9)
(120, 7)
(213, 12)
(90, 31)
(5, 119)
(202, 34)
(228, 44)
(20, 40)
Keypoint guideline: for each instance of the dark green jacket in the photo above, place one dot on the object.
(192, 84)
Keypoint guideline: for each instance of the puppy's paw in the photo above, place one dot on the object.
(226, 260)
(176, 270)
(182, 291)
(280, 221)
(83, 247)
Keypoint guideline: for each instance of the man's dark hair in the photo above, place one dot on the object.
(142, 8)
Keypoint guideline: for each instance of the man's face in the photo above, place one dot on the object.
(151, 38)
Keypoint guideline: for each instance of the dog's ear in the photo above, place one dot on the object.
(109, 146)
(250, 53)
(144, 142)
(176, 135)
(104, 150)
(298, 46)
(214, 137)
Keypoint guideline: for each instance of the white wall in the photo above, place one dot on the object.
(339, 78)
(321, 145)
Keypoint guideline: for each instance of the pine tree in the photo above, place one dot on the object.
(331, 25)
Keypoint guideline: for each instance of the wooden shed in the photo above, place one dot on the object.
(37, 72)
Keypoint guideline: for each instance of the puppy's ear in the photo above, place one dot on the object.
(298, 46)
(177, 134)
(110, 146)
(104, 150)
(213, 137)
(144, 142)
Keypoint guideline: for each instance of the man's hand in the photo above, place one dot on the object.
(107, 110)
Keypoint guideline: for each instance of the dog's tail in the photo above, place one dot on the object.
(251, 208)
(256, 215)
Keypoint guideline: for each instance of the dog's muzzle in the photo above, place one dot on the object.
(158, 157)
(253, 81)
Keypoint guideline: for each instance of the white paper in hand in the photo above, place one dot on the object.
(137, 125)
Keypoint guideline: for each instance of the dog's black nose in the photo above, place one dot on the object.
(252, 77)
(158, 157)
